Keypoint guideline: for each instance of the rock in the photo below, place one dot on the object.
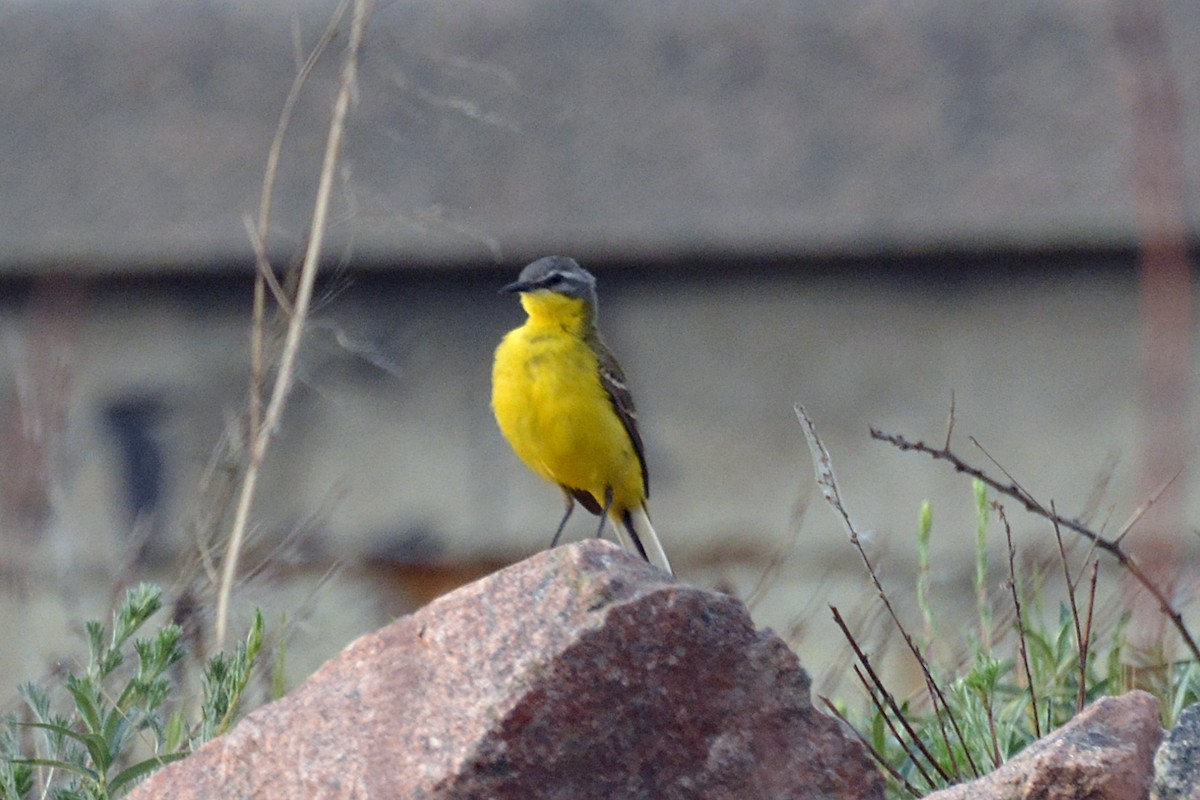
(579, 673)
(1104, 753)
(1177, 762)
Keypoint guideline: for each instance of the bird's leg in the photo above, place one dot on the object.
(608, 501)
(570, 507)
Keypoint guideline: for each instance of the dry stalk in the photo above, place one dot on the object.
(1022, 644)
(881, 697)
(827, 482)
(879, 758)
(285, 374)
(1017, 492)
(1081, 648)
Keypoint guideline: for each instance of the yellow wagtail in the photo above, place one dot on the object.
(561, 401)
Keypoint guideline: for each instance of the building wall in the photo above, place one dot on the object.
(675, 147)
(495, 131)
(389, 464)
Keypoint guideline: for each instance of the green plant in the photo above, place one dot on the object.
(123, 716)
(1028, 671)
(1024, 677)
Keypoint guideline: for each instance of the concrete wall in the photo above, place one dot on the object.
(137, 132)
(673, 135)
(388, 458)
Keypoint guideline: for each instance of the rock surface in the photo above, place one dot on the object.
(1105, 753)
(1177, 762)
(579, 673)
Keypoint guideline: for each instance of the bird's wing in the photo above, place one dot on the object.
(612, 377)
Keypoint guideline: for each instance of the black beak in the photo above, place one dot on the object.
(513, 288)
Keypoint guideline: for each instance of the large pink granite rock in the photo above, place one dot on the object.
(579, 673)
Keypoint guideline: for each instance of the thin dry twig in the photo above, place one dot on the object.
(880, 696)
(264, 277)
(950, 423)
(997, 759)
(1087, 628)
(1080, 644)
(1141, 510)
(879, 757)
(285, 375)
(827, 482)
(1014, 490)
(1022, 644)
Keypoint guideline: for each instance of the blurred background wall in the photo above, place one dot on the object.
(866, 207)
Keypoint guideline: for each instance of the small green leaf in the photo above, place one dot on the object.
(176, 733)
(65, 766)
(85, 696)
(97, 747)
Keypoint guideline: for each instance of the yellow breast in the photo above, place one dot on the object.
(552, 408)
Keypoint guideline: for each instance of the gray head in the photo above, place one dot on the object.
(556, 274)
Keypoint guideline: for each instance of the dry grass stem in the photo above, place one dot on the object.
(285, 374)
(879, 758)
(827, 482)
(1022, 643)
(885, 702)
(1081, 647)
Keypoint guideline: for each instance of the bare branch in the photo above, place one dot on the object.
(1014, 490)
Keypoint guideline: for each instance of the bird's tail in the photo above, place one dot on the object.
(636, 527)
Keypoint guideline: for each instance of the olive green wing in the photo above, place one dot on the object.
(612, 377)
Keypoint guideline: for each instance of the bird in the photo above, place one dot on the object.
(561, 400)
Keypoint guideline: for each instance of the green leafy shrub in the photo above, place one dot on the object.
(122, 716)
